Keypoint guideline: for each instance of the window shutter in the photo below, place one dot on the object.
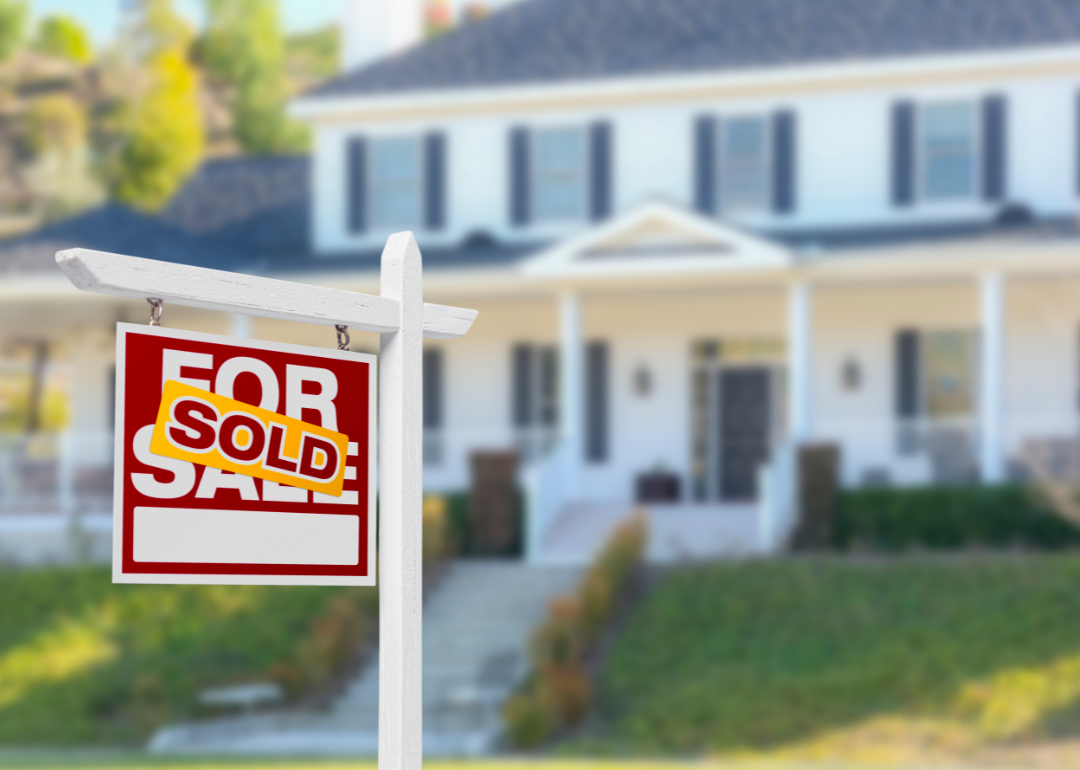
(995, 147)
(600, 171)
(519, 176)
(907, 374)
(435, 180)
(784, 162)
(356, 165)
(705, 164)
(433, 389)
(903, 154)
(523, 395)
(596, 402)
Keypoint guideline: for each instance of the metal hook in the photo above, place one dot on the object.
(342, 337)
(155, 311)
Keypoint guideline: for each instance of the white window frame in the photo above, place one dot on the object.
(719, 163)
(921, 161)
(373, 188)
(536, 215)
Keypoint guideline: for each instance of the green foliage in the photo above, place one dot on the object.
(55, 123)
(460, 526)
(824, 658)
(13, 15)
(949, 517)
(313, 56)
(85, 662)
(243, 45)
(63, 36)
(163, 140)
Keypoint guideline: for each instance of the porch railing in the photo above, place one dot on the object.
(69, 472)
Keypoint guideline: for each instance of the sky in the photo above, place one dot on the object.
(101, 17)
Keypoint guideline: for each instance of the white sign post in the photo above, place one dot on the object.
(402, 319)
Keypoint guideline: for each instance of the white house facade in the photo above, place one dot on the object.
(699, 235)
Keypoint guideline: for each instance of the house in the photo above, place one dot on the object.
(700, 233)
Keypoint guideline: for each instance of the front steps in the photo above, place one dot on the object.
(477, 626)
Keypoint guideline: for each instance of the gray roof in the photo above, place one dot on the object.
(117, 229)
(547, 41)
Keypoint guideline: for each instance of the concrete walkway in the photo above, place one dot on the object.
(477, 627)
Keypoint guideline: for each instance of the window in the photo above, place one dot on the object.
(396, 182)
(433, 406)
(559, 166)
(535, 398)
(948, 152)
(744, 164)
(948, 382)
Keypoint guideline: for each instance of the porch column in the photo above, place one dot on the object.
(800, 355)
(991, 396)
(571, 389)
(240, 326)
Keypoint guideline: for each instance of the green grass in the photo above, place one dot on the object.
(84, 662)
(906, 660)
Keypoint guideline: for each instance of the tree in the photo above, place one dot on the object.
(160, 126)
(65, 37)
(60, 175)
(12, 26)
(244, 47)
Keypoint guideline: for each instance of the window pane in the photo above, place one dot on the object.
(395, 182)
(949, 373)
(559, 174)
(744, 164)
(948, 150)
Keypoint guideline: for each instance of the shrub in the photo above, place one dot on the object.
(559, 694)
(437, 540)
(527, 717)
(949, 517)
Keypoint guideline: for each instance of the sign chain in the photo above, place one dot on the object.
(342, 336)
(155, 311)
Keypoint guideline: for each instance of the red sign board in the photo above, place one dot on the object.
(236, 405)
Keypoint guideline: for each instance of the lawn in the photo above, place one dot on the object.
(914, 659)
(84, 662)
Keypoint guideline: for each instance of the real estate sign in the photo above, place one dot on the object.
(242, 462)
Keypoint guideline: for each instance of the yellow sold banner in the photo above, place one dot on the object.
(205, 428)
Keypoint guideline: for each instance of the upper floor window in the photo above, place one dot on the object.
(744, 164)
(396, 182)
(560, 172)
(948, 150)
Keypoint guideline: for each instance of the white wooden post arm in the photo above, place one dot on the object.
(137, 278)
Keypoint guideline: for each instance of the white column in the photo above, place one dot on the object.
(400, 502)
(571, 389)
(991, 396)
(800, 362)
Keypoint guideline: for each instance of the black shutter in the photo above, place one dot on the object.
(903, 154)
(1076, 143)
(519, 176)
(995, 147)
(600, 168)
(433, 388)
(907, 373)
(596, 402)
(356, 172)
(705, 164)
(523, 391)
(784, 162)
(435, 180)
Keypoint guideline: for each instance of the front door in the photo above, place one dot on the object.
(744, 400)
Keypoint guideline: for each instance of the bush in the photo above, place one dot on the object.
(560, 688)
(949, 517)
(436, 526)
(527, 717)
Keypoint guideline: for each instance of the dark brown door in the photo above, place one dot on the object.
(744, 430)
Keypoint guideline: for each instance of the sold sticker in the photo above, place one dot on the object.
(219, 432)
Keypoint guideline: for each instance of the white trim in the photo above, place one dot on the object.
(861, 73)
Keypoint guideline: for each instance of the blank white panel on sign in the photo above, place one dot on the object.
(200, 536)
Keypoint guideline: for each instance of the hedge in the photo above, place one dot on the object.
(948, 518)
